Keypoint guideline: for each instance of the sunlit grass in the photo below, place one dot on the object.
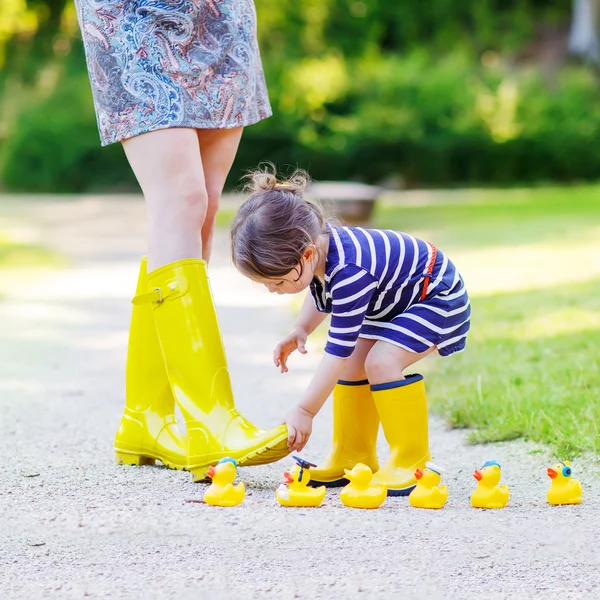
(492, 218)
(531, 369)
(565, 320)
(20, 261)
(15, 254)
(225, 216)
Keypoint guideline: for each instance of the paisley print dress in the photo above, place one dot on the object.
(155, 64)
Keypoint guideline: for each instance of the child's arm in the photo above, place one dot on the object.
(352, 289)
(308, 320)
(299, 419)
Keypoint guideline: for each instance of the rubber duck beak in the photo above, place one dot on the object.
(288, 477)
(552, 473)
(211, 472)
(418, 474)
(478, 475)
(348, 474)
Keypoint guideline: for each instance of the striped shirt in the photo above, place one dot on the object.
(372, 276)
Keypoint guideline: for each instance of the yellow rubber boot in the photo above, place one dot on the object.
(355, 428)
(148, 429)
(191, 342)
(402, 408)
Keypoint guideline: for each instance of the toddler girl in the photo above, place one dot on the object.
(393, 300)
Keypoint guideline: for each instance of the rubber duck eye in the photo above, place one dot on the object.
(566, 471)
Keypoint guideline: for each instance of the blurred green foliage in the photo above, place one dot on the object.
(428, 93)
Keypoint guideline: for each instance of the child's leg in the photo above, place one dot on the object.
(354, 369)
(386, 362)
(355, 423)
(402, 408)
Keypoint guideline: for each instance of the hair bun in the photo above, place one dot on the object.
(265, 180)
(262, 181)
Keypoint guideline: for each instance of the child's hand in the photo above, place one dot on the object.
(295, 341)
(299, 424)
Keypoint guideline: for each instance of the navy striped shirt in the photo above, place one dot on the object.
(375, 275)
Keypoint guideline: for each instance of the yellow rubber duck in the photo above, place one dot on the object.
(563, 489)
(428, 492)
(294, 491)
(359, 493)
(487, 494)
(221, 491)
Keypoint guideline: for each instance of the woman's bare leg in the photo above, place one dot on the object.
(168, 166)
(218, 148)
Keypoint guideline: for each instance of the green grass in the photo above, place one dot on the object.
(483, 218)
(225, 216)
(532, 365)
(16, 254)
(525, 373)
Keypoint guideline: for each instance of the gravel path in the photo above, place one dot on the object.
(73, 524)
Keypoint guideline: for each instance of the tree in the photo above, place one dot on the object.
(583, 38)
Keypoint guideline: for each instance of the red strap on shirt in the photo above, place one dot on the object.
(429, 271)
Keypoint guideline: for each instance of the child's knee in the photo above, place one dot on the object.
(377, 366)
(353, 371)
(386, 362)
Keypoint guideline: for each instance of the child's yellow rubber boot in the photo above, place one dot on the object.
(148, 429)
(355, 428)
(402, 408)
(191, 342)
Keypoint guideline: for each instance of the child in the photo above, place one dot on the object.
(393, 300)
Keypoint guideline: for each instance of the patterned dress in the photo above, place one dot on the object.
(155, 64)
(390, 286)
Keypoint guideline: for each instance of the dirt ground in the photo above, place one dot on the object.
(73, 524)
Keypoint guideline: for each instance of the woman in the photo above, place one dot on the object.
(175, 81)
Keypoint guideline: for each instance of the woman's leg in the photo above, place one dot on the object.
(218, 148)
(168, 166)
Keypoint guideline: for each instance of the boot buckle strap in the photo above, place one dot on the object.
(156, 296)
(153, 297)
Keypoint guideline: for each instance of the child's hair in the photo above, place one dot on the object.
(275, 225)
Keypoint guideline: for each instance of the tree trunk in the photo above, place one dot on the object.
(583, 38)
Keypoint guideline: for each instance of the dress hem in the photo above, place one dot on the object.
(245, 123)
(445, 351)
(369, 336)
